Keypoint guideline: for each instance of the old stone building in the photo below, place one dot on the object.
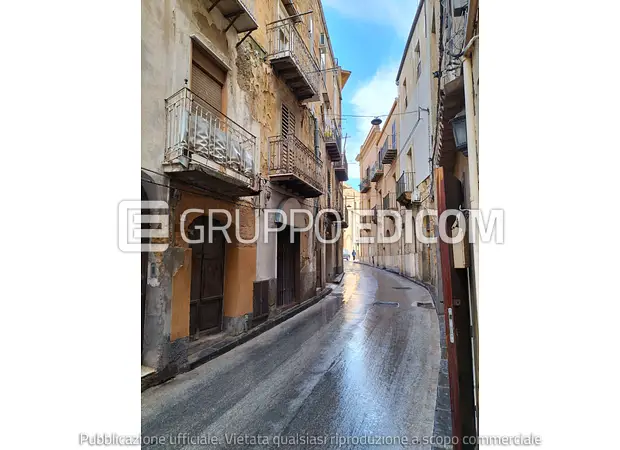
(350, 236)
(240, 115)
(456, 186)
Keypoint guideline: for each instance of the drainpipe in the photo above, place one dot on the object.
(472, 141)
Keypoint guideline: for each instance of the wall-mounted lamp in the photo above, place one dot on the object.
(459, 130)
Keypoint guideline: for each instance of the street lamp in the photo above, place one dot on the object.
(459, 130)
(376, 121)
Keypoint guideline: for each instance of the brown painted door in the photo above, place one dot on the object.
(456, 313)
(207, 289)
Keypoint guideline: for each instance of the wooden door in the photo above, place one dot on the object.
(287, 262)
(207, 288)
(456, 314)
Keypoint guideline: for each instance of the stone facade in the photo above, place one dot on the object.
(253, 96)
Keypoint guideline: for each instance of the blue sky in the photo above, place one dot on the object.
(368, 38)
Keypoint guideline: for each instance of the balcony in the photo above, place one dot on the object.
(376, 172)
(365, 185)
(341, 168)
(389, 201)
(294, 166)
(344, 217)
(335, 201)
(206, 149)
(292, 61)
(406, 194)
(333, 141)
(340, 207)
(237, 14)
(389, 150)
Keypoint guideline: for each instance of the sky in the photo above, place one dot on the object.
(368, 38)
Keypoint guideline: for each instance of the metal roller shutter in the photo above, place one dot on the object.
(207, 78)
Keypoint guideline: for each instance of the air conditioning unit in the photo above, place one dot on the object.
(459, 7)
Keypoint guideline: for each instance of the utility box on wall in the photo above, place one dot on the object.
(460, 254)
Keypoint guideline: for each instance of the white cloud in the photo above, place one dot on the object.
(372, 97)
(395, 13)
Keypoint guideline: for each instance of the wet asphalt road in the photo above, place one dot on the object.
(342, 369)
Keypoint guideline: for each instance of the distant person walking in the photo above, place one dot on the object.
(353, 254)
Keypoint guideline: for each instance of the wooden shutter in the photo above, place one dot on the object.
(285, 123)
(207, 78)
(288, 121)
(288, 131)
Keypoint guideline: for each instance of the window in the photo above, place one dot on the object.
(394, 135)
(322, 39)
(287, 124)
(323, 58)
(418, 60)
(207, 78)
(405, 92)
(409, 160)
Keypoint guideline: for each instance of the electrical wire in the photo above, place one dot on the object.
(205, 191)
(215, 194)
(378, 115)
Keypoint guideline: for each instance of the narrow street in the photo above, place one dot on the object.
(344, 367)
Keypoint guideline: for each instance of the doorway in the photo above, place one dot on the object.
(207, 285)
(456, 300)
(287, 267)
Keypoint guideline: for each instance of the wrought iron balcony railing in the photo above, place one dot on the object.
(341, 168)
(388, 150)
(294, 165)
(389, 201)
(376, 171)
(365, 185)
(290, 56)
(333, 141)
(197, 134)
(406, 192)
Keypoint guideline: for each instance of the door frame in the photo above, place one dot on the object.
(456, 306)
(202, 333)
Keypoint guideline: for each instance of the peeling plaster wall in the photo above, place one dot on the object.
(253, 96)
(240, 259)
